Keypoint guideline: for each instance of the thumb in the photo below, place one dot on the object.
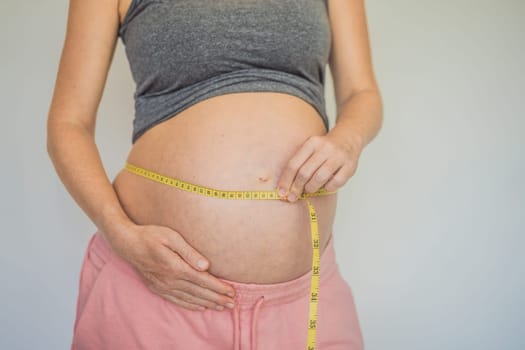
(188, 253)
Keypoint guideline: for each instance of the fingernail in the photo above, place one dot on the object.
(201, 264)
(229, 305)
(292, 197)
(230, 294)
(219, 307)
(282, 191)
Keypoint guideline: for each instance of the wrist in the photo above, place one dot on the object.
(349, 136)
(116, 227)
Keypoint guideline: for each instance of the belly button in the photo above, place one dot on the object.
(264, 178)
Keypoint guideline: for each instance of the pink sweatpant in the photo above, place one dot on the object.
(116, 311)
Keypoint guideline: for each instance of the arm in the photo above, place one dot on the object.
(359, 105)
(328, 161)
(167, 264)
(86, 57)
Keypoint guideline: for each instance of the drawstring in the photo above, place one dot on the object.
(236, 326)
(236, 330)
(254, 323)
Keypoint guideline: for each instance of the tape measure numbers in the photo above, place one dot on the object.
(259, 195)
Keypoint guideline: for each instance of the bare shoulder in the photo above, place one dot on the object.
(88, 49)
(350, 58)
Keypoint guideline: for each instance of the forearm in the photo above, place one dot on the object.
(77, 162)
(359, 118)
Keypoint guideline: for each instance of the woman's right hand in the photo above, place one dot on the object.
(169, 267)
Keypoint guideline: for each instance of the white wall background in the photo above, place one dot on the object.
(430, 228)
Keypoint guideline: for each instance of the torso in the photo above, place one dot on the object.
(239, 141)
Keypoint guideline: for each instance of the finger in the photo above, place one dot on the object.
(306, 172)
(179, 245)
(340, 178)
(193, 299)
(187, 292)
(184, 280)
(203, 294)
(181, 271)
(183, 303)
(168, 290)
(208, 281)
(323, 174)
(292, 166)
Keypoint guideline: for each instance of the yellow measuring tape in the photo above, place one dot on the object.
(259, 195)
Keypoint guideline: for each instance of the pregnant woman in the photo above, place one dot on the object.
(229, 97)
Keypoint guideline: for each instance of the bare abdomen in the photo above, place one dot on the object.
(239, 141)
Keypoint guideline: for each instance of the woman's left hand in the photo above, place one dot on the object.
(322, 161)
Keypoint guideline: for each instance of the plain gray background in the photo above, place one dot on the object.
(430, 229)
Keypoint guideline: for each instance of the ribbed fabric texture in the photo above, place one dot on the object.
(181, 52)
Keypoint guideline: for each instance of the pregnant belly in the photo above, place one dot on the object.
(237, 141)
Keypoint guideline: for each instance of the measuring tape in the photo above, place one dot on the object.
(259, 195)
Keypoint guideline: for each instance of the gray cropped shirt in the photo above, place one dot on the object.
(181, 52)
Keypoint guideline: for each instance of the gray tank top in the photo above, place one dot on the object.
(181, 52)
